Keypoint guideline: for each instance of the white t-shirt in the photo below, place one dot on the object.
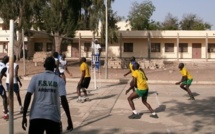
(62, 66)
(2, 66)
(46, 88)
(95, 48)
(8, 75)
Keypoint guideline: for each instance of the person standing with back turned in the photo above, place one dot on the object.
(45, 109)
(16, 80)
(3, 70)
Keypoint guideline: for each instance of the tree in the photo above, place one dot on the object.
(21, 12)
(140, 15)
(192, 22)
(93, 14)
(59, 18)
(154, 25)
(170, 23)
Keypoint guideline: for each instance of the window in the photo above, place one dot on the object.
(87, 47)
(155, 47)
(211, 47)
(38, 46)
(183, 47)
(128, 47)
(49, 46)
(169, 47)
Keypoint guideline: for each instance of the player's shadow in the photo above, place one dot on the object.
(104, 97)
(194, 94)
(161, 108)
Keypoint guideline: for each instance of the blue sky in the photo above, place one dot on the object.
(205, 9)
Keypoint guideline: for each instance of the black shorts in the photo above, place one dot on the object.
(39, 126)
(85, 83)
(2, 91)
(15, 87)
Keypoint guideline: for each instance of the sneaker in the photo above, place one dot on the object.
(21, 110)
(134, 116)
(81, 100)
(87, 99)
(191, 98)
(154, 116)
(5, 116)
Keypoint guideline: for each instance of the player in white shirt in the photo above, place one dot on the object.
(3, 70)
(57, 62)
(16, 80)
(47, 89)
(96, 51)
(63, 67)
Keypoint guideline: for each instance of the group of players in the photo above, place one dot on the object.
(140, 87)
(4, 71)
(48, 86)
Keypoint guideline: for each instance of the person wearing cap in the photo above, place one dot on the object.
(185, 81)
(45, 114)
(3, 70)
(142, 89)
(84, 81)
(96, 51)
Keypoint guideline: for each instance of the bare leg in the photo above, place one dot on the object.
(19, 99)
(144, 100)
(130, 100)
(189, 91)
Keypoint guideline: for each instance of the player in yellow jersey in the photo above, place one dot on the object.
(186, 80)
(132, 61)
(141, 85)
(84, 81)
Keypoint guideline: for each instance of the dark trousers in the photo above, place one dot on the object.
(39, 126)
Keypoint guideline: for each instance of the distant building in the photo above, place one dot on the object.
(169, 45)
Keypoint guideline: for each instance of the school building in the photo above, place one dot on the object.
(167, 45)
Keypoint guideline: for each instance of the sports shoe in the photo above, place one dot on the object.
(134, 116)
(154, 116)
(80, 100)
(87, 99)
(21, 110)
(191, 98)
(5, 116)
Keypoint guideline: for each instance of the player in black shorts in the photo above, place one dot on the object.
(84, 81)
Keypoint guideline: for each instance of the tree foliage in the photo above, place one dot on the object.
(193, 22)
(140, 15)
(59, 18)
(21, 12)
(170, 23)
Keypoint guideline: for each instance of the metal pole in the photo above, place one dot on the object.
(106, 41)
(11, 71)
(149, 46)
(23, 42)
(206, 47)
(79, 45)
(177, 43)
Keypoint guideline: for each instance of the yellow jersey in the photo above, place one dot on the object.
(84, 67)
(184, 72)
(141, 80)
(131, 68)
